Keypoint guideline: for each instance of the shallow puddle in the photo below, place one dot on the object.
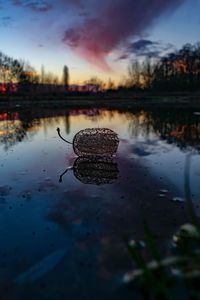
(62, 233)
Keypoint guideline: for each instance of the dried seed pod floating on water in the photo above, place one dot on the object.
(94, 142)
(94, 170)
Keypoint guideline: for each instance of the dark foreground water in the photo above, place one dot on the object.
(65, 240)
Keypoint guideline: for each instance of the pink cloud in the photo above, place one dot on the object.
(113, 25)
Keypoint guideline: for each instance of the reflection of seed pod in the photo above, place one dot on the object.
(95, 141)
(95, 170)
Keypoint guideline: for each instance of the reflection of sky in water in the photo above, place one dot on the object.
(71, 227)
(168, 161)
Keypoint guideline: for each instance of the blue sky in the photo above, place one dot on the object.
(89, 36)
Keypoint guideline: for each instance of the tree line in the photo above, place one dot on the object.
(13, 71)
(175, 71)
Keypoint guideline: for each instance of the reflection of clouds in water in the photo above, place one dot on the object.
(47, 185)
(96, 217)
(149, 147)
(5, 190)
(181, 130)
(88, 218)
(115, 207)
(74, 206)
(141, 152)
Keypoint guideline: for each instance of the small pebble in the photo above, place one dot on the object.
(177, 199)
(164, 191)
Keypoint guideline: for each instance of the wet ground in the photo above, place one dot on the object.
(65, 239)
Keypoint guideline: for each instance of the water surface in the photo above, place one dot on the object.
(65, 239)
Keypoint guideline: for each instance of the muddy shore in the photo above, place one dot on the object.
(113, 100)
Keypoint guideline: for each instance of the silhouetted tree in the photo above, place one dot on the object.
(27, 77)
(95, 81)
(147, 73)
(110, 85)
(179, 70)
(66, 76)
(134, 75)
(42, 79)
(10, 69)
(175, 71)
(50, 78)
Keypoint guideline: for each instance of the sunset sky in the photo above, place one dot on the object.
(92, 37)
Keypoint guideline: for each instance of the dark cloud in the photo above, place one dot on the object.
(145, 48)
(5, 21)
(123, 56)
(101, 27)
(37, 6)
(73, 2)
(112, 25)
(142, 45)
(84, 14)
(48, 5)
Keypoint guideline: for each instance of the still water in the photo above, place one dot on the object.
(65, 239)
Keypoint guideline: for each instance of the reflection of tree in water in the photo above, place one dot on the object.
(181, 128)
(178, 127)
(67, 123)
(17, 126)
(15, 130)
(139, 124)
